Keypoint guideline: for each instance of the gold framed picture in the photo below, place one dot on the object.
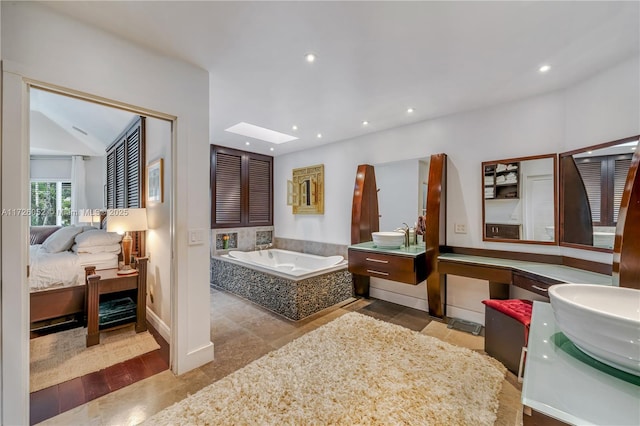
(155, 182)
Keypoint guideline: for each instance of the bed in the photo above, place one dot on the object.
(57, 275)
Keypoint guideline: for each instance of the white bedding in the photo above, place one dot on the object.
(65, 268)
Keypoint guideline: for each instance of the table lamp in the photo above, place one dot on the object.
(125, 221)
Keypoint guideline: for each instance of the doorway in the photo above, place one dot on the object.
(69, 137)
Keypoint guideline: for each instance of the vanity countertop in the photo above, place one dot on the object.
(564, 383)
(413, 250)
(556, 272)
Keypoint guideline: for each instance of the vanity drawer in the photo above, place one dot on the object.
(537, 284)
(405, 269)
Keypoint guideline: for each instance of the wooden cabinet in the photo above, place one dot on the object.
(404, 269)
(501, 180)
(108, 282)
(502, 230)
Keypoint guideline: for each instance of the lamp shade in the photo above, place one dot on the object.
(123, 220)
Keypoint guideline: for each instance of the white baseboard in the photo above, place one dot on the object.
(400, 299)
(194, 359)
(159, 325)
(465, 314)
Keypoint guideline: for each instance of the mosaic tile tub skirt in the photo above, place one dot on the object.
(292, 299)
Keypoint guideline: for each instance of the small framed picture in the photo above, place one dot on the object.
(155, 184)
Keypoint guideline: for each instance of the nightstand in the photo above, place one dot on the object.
(108, 282)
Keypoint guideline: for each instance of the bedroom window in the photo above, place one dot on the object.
(50, 203)
(241, 188)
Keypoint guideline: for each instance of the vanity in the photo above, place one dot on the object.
(405, 264)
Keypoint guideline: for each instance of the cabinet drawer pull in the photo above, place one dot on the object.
(539, 288)
(376, 260)
(371, 271)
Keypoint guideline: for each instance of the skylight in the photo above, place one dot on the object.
(257, 132)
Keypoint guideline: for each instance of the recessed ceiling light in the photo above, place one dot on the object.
(319, 135)
(257, 132)
(410, 110)
(310, 57)
(589, 152)
(247, 143)
(294, 127)
(365, 123)
(544, 68)
(272, 149)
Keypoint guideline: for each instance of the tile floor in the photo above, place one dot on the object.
(241, 332)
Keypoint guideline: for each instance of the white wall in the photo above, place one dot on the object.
(603, 108)
(41, 45)
(95, 181)
(158, 145)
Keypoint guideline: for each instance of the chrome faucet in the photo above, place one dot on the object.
(261, 247)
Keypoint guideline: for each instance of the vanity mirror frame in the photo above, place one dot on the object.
(565, 178)
(554, 157)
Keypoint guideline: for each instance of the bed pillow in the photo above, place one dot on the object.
(61, 240)
(111, 248)
(97, 237)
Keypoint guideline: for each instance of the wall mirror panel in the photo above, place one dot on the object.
(592, 181)
(519, 200)
(402, 191)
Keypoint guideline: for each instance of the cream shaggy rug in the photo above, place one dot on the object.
(58, 357)
(353, 370)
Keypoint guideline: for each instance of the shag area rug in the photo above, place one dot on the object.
(353, 370)
(58, 357)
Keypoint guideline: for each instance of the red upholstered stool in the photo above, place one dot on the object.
(506, 332)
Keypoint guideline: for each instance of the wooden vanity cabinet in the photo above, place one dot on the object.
(404, 269)
(533, 283)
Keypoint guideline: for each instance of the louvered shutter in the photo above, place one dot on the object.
(111, 179)
(260, 198)
(591, 173)
(228, 189)
(120, 175)
(133, 168)
(241, 188)
(621, 169)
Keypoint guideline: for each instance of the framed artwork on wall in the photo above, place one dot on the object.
(155, 182)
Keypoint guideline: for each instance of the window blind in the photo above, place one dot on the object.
(125, 171)
(591, 173)
(621, 168)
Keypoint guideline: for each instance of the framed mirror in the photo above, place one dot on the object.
(402, 192)
(519, 200)
(305, 192)
(592, 181)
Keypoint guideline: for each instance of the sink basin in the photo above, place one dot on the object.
(602, 321)
(388, 240)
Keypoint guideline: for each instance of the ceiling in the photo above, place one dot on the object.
(61, 125)
(374, 59)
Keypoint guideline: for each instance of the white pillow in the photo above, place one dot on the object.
(97, 237)
(61, 240)
(111, 248)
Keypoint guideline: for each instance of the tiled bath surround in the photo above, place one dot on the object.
(292, 299)
(311, 247)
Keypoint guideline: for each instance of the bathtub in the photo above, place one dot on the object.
(288, 264)
(294, 285)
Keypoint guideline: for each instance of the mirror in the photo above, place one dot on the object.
(592, 181)
(520, 200)
(305, 192)
(402, 192)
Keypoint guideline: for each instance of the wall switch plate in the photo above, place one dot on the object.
(196, 236)
(460, 228)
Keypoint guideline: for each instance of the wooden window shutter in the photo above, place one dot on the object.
(228, 189)
(241, 188)
(111, 179)
(591, 176)
(125, 168)
(260, 187)
(621, 169)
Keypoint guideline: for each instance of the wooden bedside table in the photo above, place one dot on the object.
(108, 281)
